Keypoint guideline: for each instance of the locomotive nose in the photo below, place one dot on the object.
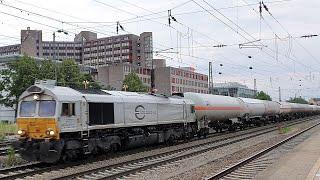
(38, 128)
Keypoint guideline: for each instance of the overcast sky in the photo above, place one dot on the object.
(201, 24)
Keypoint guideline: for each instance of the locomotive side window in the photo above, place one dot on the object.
(27, 108)
(101, 113)
(47, 108)
(68, 109)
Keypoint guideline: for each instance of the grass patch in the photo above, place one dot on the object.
(8, 128)
(284, 130)
(2, 136)
(11, 158)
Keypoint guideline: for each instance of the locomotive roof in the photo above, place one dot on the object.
(68, 94)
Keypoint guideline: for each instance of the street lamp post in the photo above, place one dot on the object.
(54, 50)
(125, 87)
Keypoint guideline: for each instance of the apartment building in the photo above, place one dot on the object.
(86, 48)
(127, 48)
(10, 50)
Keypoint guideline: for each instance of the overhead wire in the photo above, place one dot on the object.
(180, 24)
(305, 49)
(245, 33)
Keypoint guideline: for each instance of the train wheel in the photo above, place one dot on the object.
(114, 148)
(170, 140)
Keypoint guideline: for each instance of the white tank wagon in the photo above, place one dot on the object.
(272, 108)
(59, 122)
(216, 110)
(256, 108)
(315, 109)
(262, 109)
(289, 111)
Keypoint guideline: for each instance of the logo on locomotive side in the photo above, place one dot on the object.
(140, 112)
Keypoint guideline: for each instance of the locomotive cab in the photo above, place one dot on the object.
(38, 129)
(37, 117)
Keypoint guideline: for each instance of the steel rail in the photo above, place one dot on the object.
(234, 167)
(99, 171)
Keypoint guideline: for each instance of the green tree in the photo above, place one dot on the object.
(22, 73)
(263, 96)
(47, 70)
(133, 83)
(298, 100)
(16, 79)
(69, 74)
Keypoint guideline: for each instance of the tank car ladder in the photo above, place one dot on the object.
(85, 141)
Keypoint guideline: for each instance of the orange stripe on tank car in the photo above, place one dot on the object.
(217, 108)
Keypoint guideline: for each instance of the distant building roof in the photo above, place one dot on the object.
(229, 85)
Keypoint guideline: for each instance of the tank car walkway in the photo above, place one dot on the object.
(303, 162)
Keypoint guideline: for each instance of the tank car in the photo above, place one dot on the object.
(289, 111)
(219, 111)
(59, 123)
(261, 111)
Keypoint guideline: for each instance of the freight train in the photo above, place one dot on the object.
(60, 123)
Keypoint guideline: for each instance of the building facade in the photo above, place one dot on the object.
(170, 80)
(233, 89)
(86, 48)
(10, 50)
(167, 80)
(113, 76)
(127, 48)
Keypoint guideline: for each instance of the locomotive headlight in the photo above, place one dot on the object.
(36, 97)
(21, 132)
(50, 132)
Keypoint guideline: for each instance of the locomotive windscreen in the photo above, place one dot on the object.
(101, 113)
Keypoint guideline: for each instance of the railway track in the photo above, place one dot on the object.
(3, 151)
(249, 167)
(4, 147)
(5, 143)
(125, 169)
(38, 168)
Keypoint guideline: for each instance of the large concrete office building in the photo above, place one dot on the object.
(86, 48)
(129, 48)
(33, 45)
